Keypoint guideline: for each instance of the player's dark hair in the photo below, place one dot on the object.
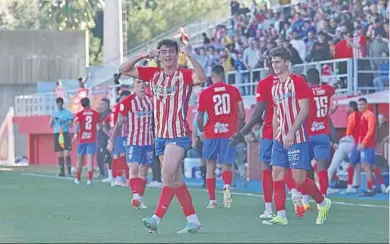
(106, 100)
(313, 76)
(218, 70)
(85, 102)
(168, 43)
(281, 52)
(125, 93)
(353, 105)
(59, 100)
(363, 99)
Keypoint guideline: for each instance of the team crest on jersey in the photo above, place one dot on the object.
(282, 98)
(145, 113)
(164, 90)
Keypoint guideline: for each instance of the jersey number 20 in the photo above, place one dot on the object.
(322, 106)
(88, 122)
(221, 104)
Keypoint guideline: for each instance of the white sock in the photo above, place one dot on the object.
(282, 213)
(293, 191)
(268, 207)
(383, 187)
(109, 174)
(158, 219)
(349, 187)
(193, 219)
(305, 199)
(322, 203)
(213, 201)
(136, 196)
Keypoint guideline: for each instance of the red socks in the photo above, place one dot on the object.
(227, 177)
(279, 195)
(211, 185)
(369, 185)
(114, 167)
(289, 180)
(90, 175)
(124, 166)
(324, 181)
(378, 175)
(164, 201)
(267, 185)
(311, 189)
(350, 172)
(78, 175)
(137, 186)
(185, 200)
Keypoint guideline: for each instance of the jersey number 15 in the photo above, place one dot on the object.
(221, 104)
(322, 106)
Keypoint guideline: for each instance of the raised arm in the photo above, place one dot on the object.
(199, 77)
(128, 68)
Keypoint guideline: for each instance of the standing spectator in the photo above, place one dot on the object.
(59, 91)
(383, 129)
(377, 47)
(359, 43)
(206, 40)
(295, 58)
(202, 57)
(250, 55)
(212, 60)
(241, 74)
(299, 45)
(383, 73)
(234, 7)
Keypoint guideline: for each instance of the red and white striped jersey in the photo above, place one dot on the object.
(111, 120)
(139, 113)
(171, 94)
(285, 97)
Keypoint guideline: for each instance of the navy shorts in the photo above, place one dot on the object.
(296, 157)
(265, 150)
(160, 143)
(354, 158)
(86, 149)
(220, 150)
(142, 155)
(320, 147)
(119, 145)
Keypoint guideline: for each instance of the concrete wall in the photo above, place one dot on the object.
(28, 56)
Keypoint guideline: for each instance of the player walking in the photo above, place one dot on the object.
(318, 126)
(137, 110)
(171, 88)
(118, 146)
(291, 96)
(86, 123)
(226, 114)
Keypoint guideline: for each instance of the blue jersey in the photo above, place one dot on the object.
(61, 119)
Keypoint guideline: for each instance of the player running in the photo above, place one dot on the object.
(118, 146)
(137, 110)
(318, 126)
(291, 96)
(226, 114)
(86, 123)
(171, 88)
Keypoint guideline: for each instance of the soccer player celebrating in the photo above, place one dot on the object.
(318, 126)
(61, 120)
(171, 88)
(86, 123)
(291, 96)
(137, 110)
(117, 147)
(226, 114)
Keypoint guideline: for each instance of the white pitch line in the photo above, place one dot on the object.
(233, 193)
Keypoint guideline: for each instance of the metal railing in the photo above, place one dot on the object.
(39, 104)
(370, 74)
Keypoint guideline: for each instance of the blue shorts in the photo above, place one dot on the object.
(320, 147)
(86, 149)
(354, 158)
(296, 157)
(142, 155)
(160, 143)
(220, 150)
(265, 150)
(367, 155)
(119, 145)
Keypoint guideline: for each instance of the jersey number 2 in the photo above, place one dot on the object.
(221, 104)
(88, 122)
(322, 106)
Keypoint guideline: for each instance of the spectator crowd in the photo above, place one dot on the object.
(316, 30)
